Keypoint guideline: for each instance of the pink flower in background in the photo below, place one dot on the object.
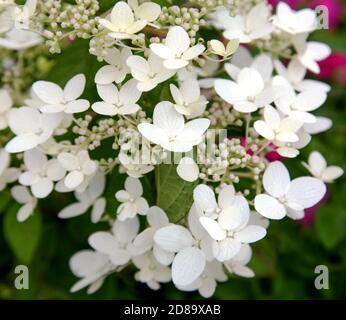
(334, 67)
(270, 156)
(334, 10)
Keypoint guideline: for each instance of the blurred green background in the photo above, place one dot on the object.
(284, 261)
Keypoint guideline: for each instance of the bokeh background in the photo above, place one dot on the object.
(284, 261)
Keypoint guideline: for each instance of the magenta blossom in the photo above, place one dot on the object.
(334, 67)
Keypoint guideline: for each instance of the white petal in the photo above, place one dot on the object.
(108, 93)
(134, 187)
(103, 242)
(173, 238)
(22, 143)
(177, 40)
(187, 266)
(204, 198)
(105, 109)
(188, 170)
(73, 210)
(48, 92)
(229, 91)
(68, 161)
(42, 188)
(269, 207)
(317, 162)
(306, 192)
(25, 212)
(106, 75)
(148, 11)
(276, 179)
(162, 51)
(74, 87)
(213, 228)
(167, 118)
(122, 15)
(175, 64)
(227, 249)
(162, 256)
(332, 173)
(251, 234)
(193, 52)
(74, 179)
(98, 210)
(250, 81)
(77, 106)
(157, 217)
(264, 130)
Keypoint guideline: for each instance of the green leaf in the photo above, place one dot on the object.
(174, 195)
(5, 197)
(330, 225)
(22, 237)
(73, 60)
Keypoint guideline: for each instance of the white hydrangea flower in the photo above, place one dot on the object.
(226, 221)
(121, 22)
(317, 165)
(207, 281)
(298, 106)
(238, 264)
(134, 168)
(286, 197)
(117, 244)
(40, 173)
(132, 202)
(144, 241)
(187, 98)
(62, 100)
(151, 271)
(263, 63)
(291, 149)
(6, 104)
(294, 22)
(295, 73)
(310, 53)
(117, 69)
(92, 267)
(31, 128)
(149, 73)
(254, 25)
(275, 128)
(80, 168)
(7, 174)
(22, 195)
(90, 198)
(170, 131)
(192, 248)
(176, 50)
(248, 93)
(117, 101)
